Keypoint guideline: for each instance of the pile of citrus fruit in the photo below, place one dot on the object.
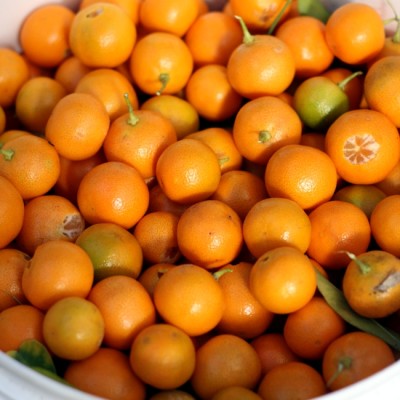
(200, 203)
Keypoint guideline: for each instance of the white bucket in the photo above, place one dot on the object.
(18, 382)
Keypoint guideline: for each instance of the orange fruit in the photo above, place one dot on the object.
(173, 16)
(72, 172)
(243, 315)
(305, 36)
(272, 350)
(264, 125)
(73, 328)
(313, 139)
(390, 184)
(367, 284)
(283, 280)
(344, 227)
(203, 7)
(348, 360)
(69, 72)
(102, 35)
(9, 134)
(390, 47)
(212, 37)
(235, 393)
(131, 7)
(19, 323)
(49, 217)
(222, 361)
(163, 356)
(221, 141)
(188, 171)
(152, 274)
(126, 308)
(3, 120)
(275, 222)
(353, 88)
(109, 86)
(366, 197)
(290, 380)
(35, 101)
(211, 94)
(12, 265)
(189, 297)
(355, 33)
(113, 250)
(160, 202)
(172, 394)
(33, 173)
(262, 65)
(11, 212)
(217, 239)
(183, 116)
(138, 138)
(384, 219)
(36, 70)
(43, 35)
(301, 173)
(258, 16)
(380, 85)
(319, 101)
(14, 73)
(310, 330)
(77, 126)
(363, 145)
(113, 192)
(43, 284)
(240, 190)
(156, 233)
(319, 268)
(161, 63)
(106, 373)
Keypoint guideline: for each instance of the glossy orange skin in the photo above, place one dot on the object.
(262, 67)
(189, 297)
(283, 280)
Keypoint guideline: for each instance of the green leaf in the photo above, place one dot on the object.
(34, 354)
(335, 298)
(313, 8)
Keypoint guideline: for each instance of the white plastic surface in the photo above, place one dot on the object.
(18, 382)
(382, 6)
(13, 12)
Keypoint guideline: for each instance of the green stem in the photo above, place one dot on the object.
(133, 119)
(344, 363)
(279, 17)
(396, 36)
(223, 160)
(164, 79)
(220, 272)
(264, 136)
(248, 38)
(345, 81)
(8, 154)
(364, 267)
